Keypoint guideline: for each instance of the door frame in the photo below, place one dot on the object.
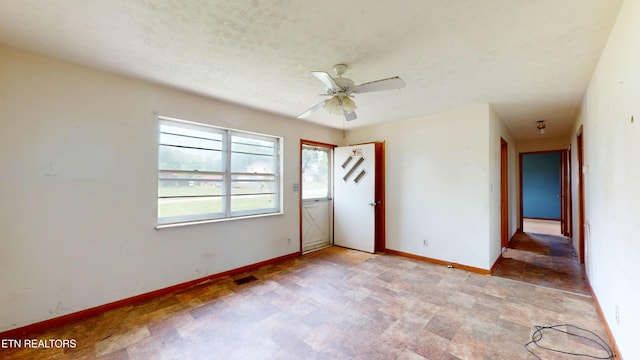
(566, 199)
(304, 142)
(380, 195)
(504, 193)
(581, 210)
(563, 184)
(379, 189)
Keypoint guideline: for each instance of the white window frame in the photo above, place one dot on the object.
(227, 176)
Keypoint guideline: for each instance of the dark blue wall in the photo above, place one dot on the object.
(541, 185)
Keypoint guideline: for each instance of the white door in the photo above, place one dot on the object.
(354, 204)
(317, 224)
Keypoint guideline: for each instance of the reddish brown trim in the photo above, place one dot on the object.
(521, 209)
(302, 142)
(380, 195)
(612, 340)
(316, 143)
(65, 319)
(495, 264)
(504, 193)
(581, 222)
(564, 194)
(569, 194)
(441, 262)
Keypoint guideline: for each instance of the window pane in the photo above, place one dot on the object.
(253, 202)
(189, 184)
(190, 142)
(252, 144)
(251, 163)
(247, 184)
(189, 130)
(176, 158)
(315, 173)
(182, 209)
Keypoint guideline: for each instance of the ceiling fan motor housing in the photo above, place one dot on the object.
(345, 84)
(339, 69)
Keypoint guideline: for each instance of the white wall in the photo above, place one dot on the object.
(612, 201)
(78, 195)
(438, 183)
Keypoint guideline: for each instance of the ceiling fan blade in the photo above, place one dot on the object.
(326, 79)
(379, 85)
(312, 109)
(350, 115)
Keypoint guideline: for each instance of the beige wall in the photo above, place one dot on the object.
(440, 174)
(610, 116)
(79, 178)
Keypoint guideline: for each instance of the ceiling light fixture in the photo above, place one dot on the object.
(541, 126)
(337, 105)
(334, 106)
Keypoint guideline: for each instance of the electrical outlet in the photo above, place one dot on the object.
(288, 240)
(617, 315)
(425, 242)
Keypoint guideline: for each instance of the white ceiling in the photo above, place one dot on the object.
(532, 59)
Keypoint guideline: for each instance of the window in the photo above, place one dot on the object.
(208, 173)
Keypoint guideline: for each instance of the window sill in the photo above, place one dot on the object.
(198, 222)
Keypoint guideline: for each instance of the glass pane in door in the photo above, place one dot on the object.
(317, 193)
(316, 179)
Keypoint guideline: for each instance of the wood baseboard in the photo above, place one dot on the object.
(65, 319)
(440, 262)
(612, 340)
(496, 263)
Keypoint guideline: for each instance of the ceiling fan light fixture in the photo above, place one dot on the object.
(541, 126)
(334, 106)
(348, 105)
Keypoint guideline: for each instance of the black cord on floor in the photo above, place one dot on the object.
(536, 337)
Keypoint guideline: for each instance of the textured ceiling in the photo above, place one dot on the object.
(532, 59)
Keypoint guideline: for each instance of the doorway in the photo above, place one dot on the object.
(316, 195)
(543, 188)
(329, 214)
(360, 197)
(581, 221)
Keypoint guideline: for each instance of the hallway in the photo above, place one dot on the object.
(544, 260)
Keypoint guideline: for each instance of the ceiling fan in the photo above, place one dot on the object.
(341, 90)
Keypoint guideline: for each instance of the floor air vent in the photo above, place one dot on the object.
(245, 280)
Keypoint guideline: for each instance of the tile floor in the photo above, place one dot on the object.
(545, 260)
(333, 304)
(539, 226)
